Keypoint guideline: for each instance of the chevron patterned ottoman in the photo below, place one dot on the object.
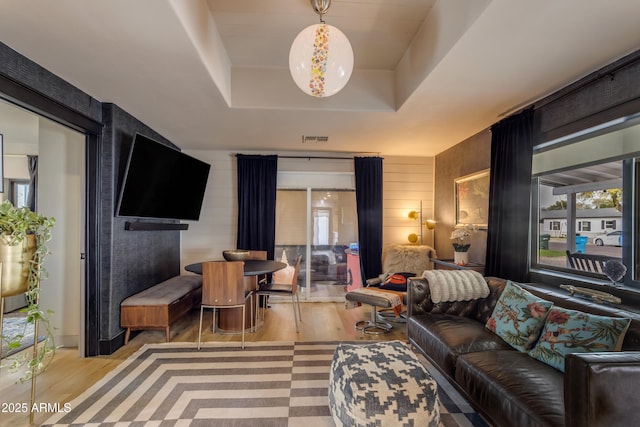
(381, 384)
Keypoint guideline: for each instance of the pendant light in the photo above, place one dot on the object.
(321, 57)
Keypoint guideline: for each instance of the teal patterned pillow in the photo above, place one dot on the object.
(518, 317)
(570, 331)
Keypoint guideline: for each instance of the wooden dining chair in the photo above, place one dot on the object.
(257, 254)
(261, 255)
(223, 287)
(285, 289)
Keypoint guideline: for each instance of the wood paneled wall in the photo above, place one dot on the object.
(216, 230)
(407, 181)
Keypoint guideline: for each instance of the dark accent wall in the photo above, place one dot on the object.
(138, 259)
(47, 85)
(119, 262)
(468, 157)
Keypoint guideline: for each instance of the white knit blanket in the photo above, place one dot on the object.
(455, 285)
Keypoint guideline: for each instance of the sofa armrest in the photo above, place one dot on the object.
(600, 389)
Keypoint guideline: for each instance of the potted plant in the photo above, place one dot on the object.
(460, 244)
(23, 238)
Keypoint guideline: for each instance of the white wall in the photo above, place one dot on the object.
(407, 181)
(60, 189)
(15, 167)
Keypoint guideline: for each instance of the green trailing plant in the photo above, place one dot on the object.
(16, 224)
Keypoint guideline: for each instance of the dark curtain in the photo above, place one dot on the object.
(509, 197)
(368, 173)
(257, 178)
(32, 196)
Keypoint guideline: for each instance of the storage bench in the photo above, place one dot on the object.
(159, 306)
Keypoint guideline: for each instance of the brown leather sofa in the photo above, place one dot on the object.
(510, 388)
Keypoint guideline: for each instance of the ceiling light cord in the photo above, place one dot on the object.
(321, 7)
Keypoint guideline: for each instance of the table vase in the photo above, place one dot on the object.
(461, 258)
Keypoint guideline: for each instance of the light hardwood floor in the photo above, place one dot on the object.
(69, 375)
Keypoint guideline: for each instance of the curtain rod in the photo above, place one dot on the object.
(323, 157)
(316, 157)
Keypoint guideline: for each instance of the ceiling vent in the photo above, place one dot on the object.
(306, 139)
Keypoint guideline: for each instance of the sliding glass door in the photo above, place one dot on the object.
(318, 225)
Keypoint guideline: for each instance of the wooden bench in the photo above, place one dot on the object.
(585, 262)
(159, 306)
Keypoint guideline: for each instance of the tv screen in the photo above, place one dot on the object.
(161, 182)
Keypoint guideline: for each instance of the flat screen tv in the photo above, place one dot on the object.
(161, 182)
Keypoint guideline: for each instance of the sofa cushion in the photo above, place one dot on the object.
(446, 336)
(514, 389)
(396, 281)
(518, 317)
(570, 331)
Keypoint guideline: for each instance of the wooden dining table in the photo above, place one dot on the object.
(230, 320)
(252, 267)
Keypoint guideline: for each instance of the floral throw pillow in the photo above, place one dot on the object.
(518, 317)
(570, 331)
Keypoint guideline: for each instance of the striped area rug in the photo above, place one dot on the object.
(267, 384)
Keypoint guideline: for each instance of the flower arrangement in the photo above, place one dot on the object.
(459, 237)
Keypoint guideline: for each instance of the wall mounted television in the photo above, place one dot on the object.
(161, 182)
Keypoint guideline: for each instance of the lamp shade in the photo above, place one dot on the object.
(321, 60)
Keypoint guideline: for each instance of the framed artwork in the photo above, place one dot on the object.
(472, 199)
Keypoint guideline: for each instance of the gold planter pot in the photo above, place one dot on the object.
(15, 265)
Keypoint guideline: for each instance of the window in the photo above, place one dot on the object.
(584, 191)
(19, 192)
(560, 196)
(584, 225)
(318, 225)
(316, 218)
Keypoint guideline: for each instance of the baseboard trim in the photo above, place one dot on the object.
(108, 347)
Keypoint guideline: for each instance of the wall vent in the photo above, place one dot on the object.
(306, 139)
